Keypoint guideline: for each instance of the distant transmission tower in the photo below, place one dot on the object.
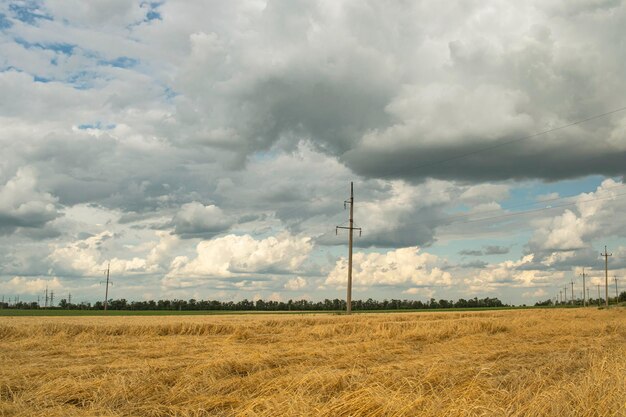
(106, 291)
(584, 286)
(350, 229)
(606, 255)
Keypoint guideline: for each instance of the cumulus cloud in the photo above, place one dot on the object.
(595, 214)
(23, 285)
(405, 266)
(197, 220)
(87, 257)
(233, 256)
(295, 284)
(520, 273)
(23, 204)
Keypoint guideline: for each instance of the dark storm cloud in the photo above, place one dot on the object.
(545, 161)
(471, 252)
(496, 250)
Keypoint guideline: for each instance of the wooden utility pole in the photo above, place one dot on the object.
(573, 297)
(106, 291)
(584, 286)
(606, 255)
(350, 229)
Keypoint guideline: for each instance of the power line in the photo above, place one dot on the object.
(527, 211)
(486, 149)
(508, 215)
(509, 142)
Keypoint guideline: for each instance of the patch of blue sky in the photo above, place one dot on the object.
(530, 191)
(97, 125)
(28, 12)
(264, 155)
(5, 23)
(82, 80)
(64, 48)
(153, 13)
(450, 249)
(170, 94)
(120, 62)
(39, 79)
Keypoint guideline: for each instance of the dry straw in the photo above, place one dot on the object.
(505, 363)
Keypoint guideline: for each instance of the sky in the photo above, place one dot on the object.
(204, 149)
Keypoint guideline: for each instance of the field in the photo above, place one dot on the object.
(553, 362)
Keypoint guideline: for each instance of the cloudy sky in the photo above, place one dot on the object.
(205, 148)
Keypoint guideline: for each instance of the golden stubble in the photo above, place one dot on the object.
(502, 363)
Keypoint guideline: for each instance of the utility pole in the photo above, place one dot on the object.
(573, 297)
(584, 286)
(46, 304)
(350, 229)
(106, 291)
(69, 299)
(52, 298)
(606, 255)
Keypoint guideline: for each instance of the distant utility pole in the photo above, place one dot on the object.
(46, 304)
(573, 297)
(584, 286)
(69, 298)
(350, 229)
(106, 291)
(52, 298)
(606, 255)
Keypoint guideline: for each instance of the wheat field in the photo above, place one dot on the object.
(502, 363)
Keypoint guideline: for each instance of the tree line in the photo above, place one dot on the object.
(266, 305)
(579, 302)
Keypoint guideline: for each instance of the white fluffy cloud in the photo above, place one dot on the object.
(23, 285)
(595, 214)
(87, 256)
(296, 283)
(512, 274)
(196, 220)
(402, 267)
(236, 256)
